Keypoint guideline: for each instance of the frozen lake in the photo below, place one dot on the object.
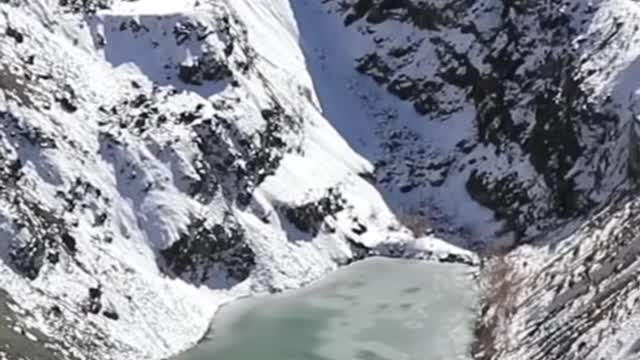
(378, 309)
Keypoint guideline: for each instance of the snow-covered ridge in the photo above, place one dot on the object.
(160, 158)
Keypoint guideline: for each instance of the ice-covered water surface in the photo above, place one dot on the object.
(378, 309)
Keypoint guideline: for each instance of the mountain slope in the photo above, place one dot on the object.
(532, 95)
(162, 158)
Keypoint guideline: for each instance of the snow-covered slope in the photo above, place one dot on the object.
(574, 298)
(160, 158)
(525, 105)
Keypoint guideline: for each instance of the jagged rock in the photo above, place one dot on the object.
(88, 6)
(240, 170)
(111, 315)
(15, 34)
(502, 196)
(310, 217)
(204, 251)
(205, 68)
(93, 303)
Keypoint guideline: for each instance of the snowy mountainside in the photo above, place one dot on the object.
(537, 95)
(160, 158)
(577, 297)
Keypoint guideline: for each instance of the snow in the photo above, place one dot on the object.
(353, 104)
(299, 55)
(153, 7)
(142, 178)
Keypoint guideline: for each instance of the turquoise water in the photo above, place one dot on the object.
(378, 309)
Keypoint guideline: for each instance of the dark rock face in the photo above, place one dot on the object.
(501, 196)
(48, 237)
(423, 15)
(41, 235)
(204, 251)
(111, 315)
(207, 68)
(15, 34)
(93, 303)
(310, 217)
(86, 6)
(238, 162)
(212, 66)
(67, 100)
(527, 85)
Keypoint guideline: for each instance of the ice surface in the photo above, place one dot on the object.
(377, 309)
